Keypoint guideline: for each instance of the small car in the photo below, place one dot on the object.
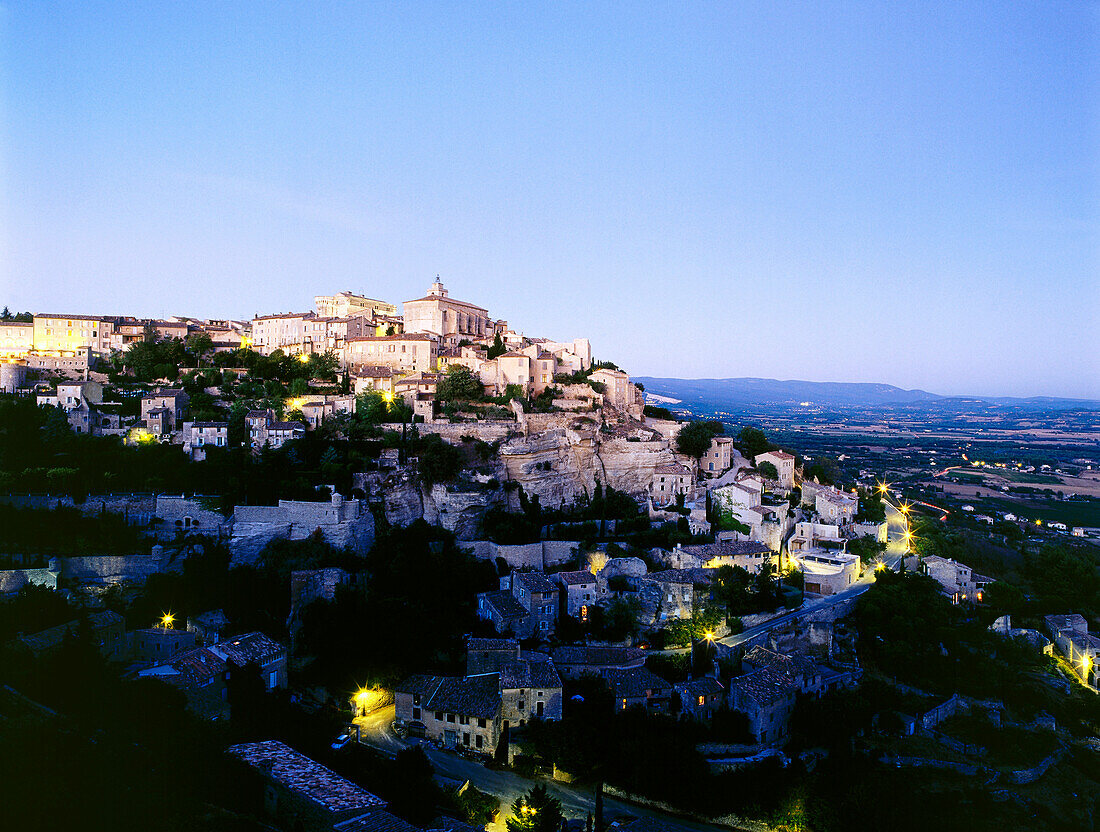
(341, 742)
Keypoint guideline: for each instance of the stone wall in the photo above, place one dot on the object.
(109, 569)
(13, 580)
(344, 523)
(175, 511)
(525, 556)
(487, 431)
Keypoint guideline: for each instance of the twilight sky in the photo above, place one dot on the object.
(905, 193)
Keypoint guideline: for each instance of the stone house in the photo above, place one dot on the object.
(174, 400)
(533, 593)
(670, 480)
(700, 697)
(489, 655)
(619, 392)
(530, 689)
(198, 436)
(256, 648)
(718, 458)
(784, 466)
(639, 687)
(768, 689)
(263, 430)
(301, 795)
(772, 683)
(454, 711)
(371, 377)
(406, 353)
(578, 592)
(1071, 635)
(958, 581)
(160, 644)
(284, 332)
(834, 506)
(315, 409)
(750, 555)
(674, 593)
(208, 626)
(343, 304)
(70, 395)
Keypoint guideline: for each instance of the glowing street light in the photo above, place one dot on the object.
(880, 566)
(303, 358)
(883, 487)
(709, 635)
(905, 508)
(167, 620)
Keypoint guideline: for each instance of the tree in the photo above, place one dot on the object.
(694, 438)
(535, 811)
(200, 345)
(767, 471)
(497, 349)
(439, 461)
(299, 387)
(753, 442)
(460, 382)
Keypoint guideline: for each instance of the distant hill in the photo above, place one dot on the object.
(735, 392)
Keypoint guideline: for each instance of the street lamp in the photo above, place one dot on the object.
(166, 620)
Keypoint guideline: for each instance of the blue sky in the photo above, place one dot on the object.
(905, 193)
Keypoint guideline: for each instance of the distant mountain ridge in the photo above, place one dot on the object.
(756, 391)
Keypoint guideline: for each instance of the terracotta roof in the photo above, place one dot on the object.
(305, 777)
(671, 468)
(286, 315)
(373, 371)
(776, 454)
(775, 675)
(107, 318)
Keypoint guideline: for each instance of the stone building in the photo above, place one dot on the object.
(162, 412)
(345, 304)
(107, 630)
(638, 687)
(1070, 634)
(405, 353)
(530, 688)
(578, 592)
(784, 466)
(700, 697)
(959, 582)
(198, 436)
(458, 712)
(670, 480)
(718, 458)
(526, 605)
(446, 318)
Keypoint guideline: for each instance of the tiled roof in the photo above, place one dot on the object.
(419, 685)
(634, 682)
(527, 674)
(373, 371)
(194, 667)
(727, 549)
(306, 777)
(596, 656)
(375, 822)
(473, 643)
(477, 696)
(409, 336)
(536, 582)
(776, 454)
(286, 315)
(775, 676)
(166, 391)
(682, 576)
(505, 604)
(1073, 621)
(671, 468)
(250, 647)
(575, 578)
(451, 301)
(703, 686)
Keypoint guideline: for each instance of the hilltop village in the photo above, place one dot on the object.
(403, 567)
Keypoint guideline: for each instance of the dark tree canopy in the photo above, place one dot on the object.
(695, 437)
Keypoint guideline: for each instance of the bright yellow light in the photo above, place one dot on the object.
(905, 508)
(303, 358)
(1038, 522)
(880, 567)
(709, 635)
(295, 404)
(167, 620)
(387, 397)
(882, 488)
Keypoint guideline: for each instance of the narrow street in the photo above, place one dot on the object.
(376, 731)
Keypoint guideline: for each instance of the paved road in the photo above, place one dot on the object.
(375, 730)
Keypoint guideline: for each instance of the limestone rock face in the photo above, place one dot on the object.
(562, 465)
(460, 511)
(402, 501)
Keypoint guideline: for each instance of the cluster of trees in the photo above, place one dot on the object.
(9, 317)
